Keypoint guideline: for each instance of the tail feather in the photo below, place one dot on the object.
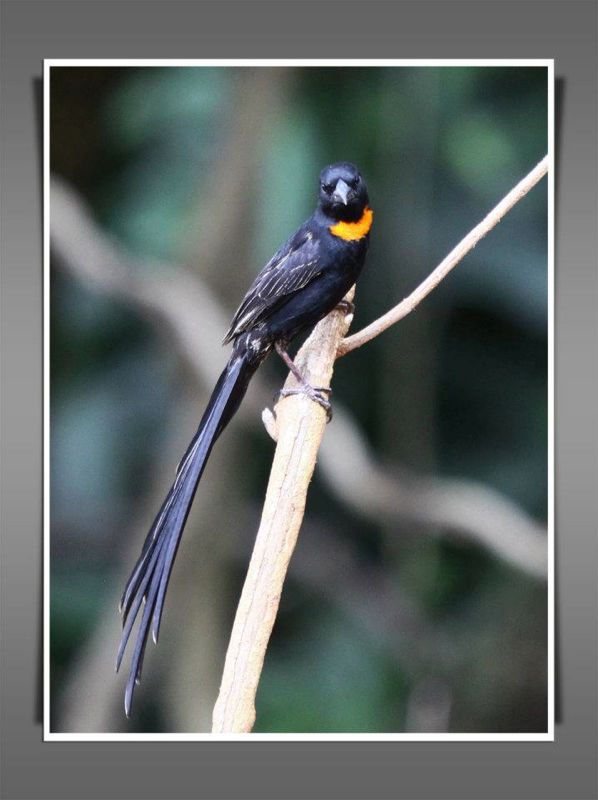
(147, 585)
(141, 567)
(138, 598)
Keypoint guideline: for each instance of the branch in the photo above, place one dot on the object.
(170, 296)
(461, 508)
(301, 425)
(407, 305)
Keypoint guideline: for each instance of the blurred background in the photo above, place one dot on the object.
(416, 599)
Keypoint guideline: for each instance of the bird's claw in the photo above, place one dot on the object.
(319, 395)
(346, 306)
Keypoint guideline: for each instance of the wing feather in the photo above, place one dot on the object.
(291, 268)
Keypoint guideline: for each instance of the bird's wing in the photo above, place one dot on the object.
(291, 268)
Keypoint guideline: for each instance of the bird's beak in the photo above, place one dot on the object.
(341, 193)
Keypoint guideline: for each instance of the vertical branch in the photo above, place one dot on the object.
(300, 426)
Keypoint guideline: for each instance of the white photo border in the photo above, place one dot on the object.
(549, 735)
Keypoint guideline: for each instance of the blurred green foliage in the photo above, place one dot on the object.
(457, 389)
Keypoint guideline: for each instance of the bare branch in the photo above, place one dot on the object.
(172, 298)
(301, 425)
(460, 508)
(407, 305)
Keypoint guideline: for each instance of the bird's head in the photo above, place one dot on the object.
(343, 193)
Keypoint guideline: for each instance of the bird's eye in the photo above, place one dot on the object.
(328, 188)
(354, 183)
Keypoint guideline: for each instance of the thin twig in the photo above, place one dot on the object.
(407, 305)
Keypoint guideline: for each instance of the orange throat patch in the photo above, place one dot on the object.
(354, 230)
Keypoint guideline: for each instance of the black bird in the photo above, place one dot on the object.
(304, 280)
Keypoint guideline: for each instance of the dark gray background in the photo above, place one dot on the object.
(33, 31)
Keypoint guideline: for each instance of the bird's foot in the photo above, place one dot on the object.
(346, 306)
(319, 395)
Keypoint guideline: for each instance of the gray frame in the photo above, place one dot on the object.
(341, 28)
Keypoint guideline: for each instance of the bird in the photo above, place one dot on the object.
(305, 280)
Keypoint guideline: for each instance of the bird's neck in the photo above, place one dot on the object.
(352, 231)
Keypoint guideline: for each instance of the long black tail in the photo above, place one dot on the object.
(146, 588)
